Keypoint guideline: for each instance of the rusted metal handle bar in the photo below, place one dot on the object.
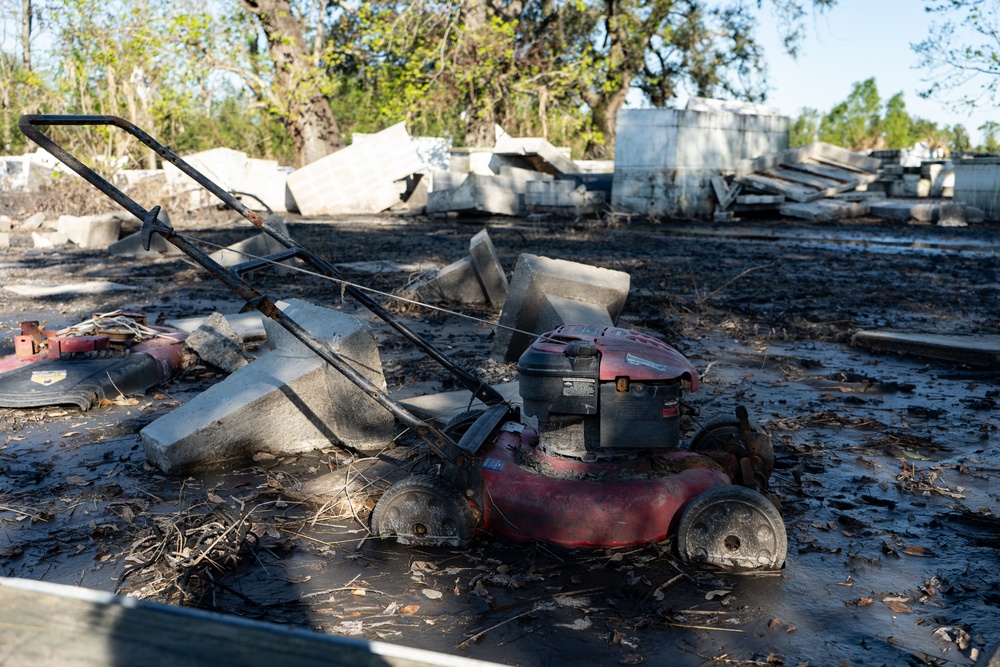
(439, 443)
(27, 123)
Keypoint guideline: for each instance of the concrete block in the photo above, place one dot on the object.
(217, 343)
(520, 179)
(4, 240)
(537, 152)
(489, 271)
(6, 224)
(477, 193)
(562, 197)
(359, 178)
(286, 401)
(455, 283)
(982, 351)
(258, 245)
(33, 221)
(48, 240)
(131, 246)
(539, 295)
(445, 180)
(92, 231)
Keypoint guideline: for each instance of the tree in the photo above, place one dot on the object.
(856, 122)
(990, 129)
(962, 53)
(297, 91)
(959, 140)
(897, 124)
(804, 129)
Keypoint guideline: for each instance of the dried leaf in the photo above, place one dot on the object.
(917, 551)
(360, 592)
(861, 602)
(897, 607)
(77, 480)
(433, 594)
(70, 433)
(409, 609)
(711, 595)
(775, 622)
(213, 498)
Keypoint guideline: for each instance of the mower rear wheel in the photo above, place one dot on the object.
(722, 434)
(732, 526)
(424, 510)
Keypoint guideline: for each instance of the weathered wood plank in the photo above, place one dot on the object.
(49, 625)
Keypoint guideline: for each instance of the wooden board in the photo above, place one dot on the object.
(50, 625)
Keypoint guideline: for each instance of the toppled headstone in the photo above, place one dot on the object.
(808, 173)
(217, 343)
(547, 293)
(286, 401)
(477, 278)
(360, 178)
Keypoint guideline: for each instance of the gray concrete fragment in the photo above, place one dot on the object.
(92, 231)
(95, 287)
(4, 240)
(477, 193)
(538, 153)
(217, 343)
(33, 221)
(488, 269)
(974, 350)
(48, 240)
(455, 283)
(538, 295)
(131, 246)
(258, 245)
(825, 209)
(249, 326)
(6, 224)
(286, 401)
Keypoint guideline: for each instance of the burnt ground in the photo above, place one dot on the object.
(886, 466)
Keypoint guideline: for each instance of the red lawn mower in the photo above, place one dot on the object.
(594, 461)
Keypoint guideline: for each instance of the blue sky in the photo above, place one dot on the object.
(855, 40)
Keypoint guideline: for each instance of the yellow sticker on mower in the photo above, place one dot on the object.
(47, 377)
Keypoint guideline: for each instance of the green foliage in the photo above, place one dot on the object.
(804, 129)
(855, 123)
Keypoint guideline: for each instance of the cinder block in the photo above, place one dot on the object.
(539, 299)
(286, 401)
(488, 269)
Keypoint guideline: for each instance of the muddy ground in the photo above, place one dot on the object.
(887, 466)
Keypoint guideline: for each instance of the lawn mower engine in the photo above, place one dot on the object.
(604, 467)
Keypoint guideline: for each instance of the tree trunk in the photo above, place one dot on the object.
(480, 114)
(306, 112)
(26, 34)
(604, 108)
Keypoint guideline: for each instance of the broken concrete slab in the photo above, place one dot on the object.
(6, 224)
(809, 172)
(562, 197)
(477, 193)
(545, 293)
(536, 153)
(824, 209)
(92, 231)
(943, 213)
(489, 271)
(131, 245)
(359, 178)
(441, 407)
(288, 400)
(249, 326)
(4, 240)
(217, 344)
(48, 240)
(33, 221)
(455, 283)
(95, 287)
(258, 245)
(982, 351)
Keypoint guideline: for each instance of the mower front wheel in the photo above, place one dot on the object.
(424, 510)
(732, 526)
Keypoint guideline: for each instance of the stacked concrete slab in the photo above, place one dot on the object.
(547, 293)
(25, 173)
(977, 183)
(665, 158)
(286, 401)
(361, 178)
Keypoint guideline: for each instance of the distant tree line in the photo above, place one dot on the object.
(289, 79)
(864, 122)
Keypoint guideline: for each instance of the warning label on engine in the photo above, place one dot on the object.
(47, 377)
(579, 387)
